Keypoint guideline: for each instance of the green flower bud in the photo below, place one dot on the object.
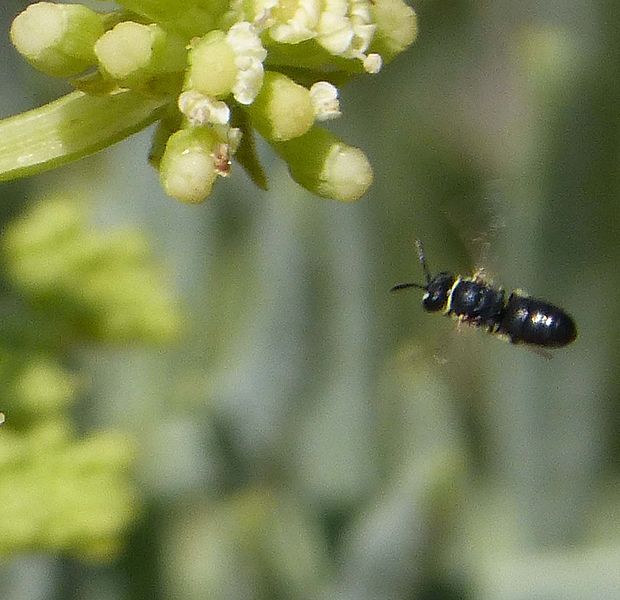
(221, 64)
(397, 27)
(132, 53)
(212, 69)
(57, 39)
(282, 110)
(324, 165)
(188, 165)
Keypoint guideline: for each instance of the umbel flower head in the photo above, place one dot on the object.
(212, 73)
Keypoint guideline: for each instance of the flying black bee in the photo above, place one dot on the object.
(520, 319)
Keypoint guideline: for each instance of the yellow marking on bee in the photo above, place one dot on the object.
(446, 310)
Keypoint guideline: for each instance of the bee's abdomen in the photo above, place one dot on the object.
(531, 321)
(477, 303)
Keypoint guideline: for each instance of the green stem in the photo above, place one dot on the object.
(69, 129)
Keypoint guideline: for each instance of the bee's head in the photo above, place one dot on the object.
(437, 291)
(437, 287)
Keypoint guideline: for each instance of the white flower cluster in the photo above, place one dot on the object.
(344, 28)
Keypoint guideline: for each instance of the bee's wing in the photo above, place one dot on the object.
(477, 224)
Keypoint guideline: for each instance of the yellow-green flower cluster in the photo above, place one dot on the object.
(99, 285)
(223, 69)
(61, 491)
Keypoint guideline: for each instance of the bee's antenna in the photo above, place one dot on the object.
(402, 286)
(422, 259)
(427, 273)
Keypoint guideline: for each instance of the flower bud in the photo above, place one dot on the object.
(221, 64)
(212, 69)
(324, 165)
(57, 39)
(188, 165)
(397, 27)
(282, 110)
(132, 53)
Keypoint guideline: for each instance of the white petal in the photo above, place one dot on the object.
(244, 40)
(335, 33)
(324, 98)
(301, 26)
(202, 110)
(373, 63)
(248, 83)
(249, 56)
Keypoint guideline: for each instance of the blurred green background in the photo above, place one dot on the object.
(269, 422)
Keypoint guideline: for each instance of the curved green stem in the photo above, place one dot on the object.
(70, 128)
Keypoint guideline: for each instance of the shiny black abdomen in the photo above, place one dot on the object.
(531, 321)
(477, 303)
